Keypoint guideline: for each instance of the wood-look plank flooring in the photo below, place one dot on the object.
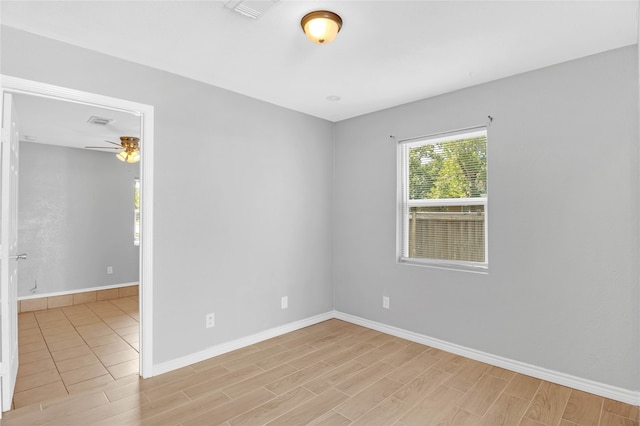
(332, 373)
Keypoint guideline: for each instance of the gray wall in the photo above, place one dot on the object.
(242, 220)
(250, 215)
(75, 219)
(562, 289)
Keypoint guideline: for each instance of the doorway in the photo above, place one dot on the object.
(16, 86)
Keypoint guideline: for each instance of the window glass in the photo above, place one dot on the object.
(444, 199)
(136, 212)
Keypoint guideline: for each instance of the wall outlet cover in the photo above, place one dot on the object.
(210, 320)
(284, 302)
(385, 302)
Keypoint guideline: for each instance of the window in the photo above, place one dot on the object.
(136, 212)
(443, 192)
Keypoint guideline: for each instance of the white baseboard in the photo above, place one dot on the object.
(79, 290)
(619, 394)
(238, 344)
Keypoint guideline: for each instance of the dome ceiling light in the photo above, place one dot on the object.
(321, 26)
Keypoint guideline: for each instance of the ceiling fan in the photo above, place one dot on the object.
(130, 146)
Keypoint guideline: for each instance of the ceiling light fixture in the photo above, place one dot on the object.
(321, 26)
(131, 153)
(129, 156)
(130, 146)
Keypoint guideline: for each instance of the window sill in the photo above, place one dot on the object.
(476, 268)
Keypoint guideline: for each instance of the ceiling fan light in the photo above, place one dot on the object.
(133, 157)
(122, 155)
(321, 26)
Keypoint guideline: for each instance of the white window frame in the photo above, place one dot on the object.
(404, 204)
(136, 214)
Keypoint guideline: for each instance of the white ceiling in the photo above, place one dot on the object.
(54, 122)
(388, 52)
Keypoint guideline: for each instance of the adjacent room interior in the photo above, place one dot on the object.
(294, 183)
(71, 196)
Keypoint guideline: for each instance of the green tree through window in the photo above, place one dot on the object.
(450, 169)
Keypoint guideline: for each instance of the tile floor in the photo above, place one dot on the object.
(76, 348)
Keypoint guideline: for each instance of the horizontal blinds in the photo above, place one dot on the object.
(450, 233)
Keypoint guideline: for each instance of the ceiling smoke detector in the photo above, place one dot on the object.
(99, 121)
(250, 8)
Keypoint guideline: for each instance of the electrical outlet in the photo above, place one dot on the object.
(109, 270)
(284, 302)
(385, 302)
(210, 320)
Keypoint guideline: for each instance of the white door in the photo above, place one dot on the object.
(8, 251)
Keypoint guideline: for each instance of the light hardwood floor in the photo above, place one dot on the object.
(332, 373)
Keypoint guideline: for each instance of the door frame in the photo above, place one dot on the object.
(9, 84)
(9, 251)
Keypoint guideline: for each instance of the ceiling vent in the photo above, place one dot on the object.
(99, 121)
(250, 8)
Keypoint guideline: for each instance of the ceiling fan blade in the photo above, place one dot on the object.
(120, 145)
(102, 147)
